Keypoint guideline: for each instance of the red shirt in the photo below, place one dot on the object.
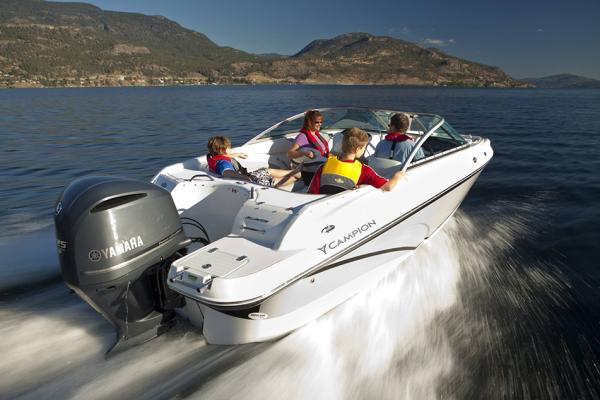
(367, 177)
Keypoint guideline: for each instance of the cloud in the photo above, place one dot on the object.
(540, 30)
(438, 42)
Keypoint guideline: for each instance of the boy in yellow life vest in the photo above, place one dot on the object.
(346, 172)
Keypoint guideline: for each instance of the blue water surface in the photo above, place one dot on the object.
(543, 180)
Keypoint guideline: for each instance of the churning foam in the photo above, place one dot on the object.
(407, 337)
(379, 344)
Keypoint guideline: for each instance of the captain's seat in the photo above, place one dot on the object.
(335, 145)
(382, 163)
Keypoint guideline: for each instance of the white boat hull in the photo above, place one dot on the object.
(350, 273)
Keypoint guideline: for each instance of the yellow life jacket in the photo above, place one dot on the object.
(337, 175)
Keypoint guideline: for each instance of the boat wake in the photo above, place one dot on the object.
(381, 343)
(407, 337)
(54, 343)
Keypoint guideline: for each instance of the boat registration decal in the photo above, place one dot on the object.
(258, 315)
(347, 238)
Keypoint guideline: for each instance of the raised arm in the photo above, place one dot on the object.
(296, 152)
(393, 181)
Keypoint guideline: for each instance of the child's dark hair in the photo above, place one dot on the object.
(353, 139)
(218, 145)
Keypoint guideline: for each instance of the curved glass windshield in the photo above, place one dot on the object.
(439, 138)
(351, 118)
(421, 124)
(442, 139)
(334, 120)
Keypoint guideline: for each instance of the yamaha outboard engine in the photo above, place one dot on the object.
(116, 239)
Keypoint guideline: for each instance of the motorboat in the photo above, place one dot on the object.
(246, 262)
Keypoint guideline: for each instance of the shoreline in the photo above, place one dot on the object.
(271, 84)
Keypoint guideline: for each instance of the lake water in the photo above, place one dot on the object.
(503, 303)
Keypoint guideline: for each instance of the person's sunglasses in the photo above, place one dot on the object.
(317, 122)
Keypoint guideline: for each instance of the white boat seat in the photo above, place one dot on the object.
(335, 146)
(384, 166)
(383, 163)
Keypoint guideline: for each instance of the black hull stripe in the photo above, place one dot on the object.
(392, 224)
(362, 257)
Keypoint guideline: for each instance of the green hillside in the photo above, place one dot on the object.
(76, 44)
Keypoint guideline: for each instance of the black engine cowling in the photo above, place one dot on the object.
(116, 239)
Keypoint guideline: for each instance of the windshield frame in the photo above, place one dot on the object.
(422, 139)
(422, 125)
(376, 113)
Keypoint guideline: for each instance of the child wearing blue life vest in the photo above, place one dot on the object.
(222, 162)
(345, 172)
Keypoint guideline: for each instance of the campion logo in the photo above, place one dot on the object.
(347, 237)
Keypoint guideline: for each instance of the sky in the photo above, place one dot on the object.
(525, 38)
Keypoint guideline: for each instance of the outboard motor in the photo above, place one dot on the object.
(116, 239)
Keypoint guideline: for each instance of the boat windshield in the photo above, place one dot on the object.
(421, 124)
(334, 120)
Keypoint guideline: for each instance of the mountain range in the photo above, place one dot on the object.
(563, 81)
(77, 44)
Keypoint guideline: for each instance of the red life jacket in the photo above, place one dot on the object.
(397, 137)
(312, 139)
(212, 161)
